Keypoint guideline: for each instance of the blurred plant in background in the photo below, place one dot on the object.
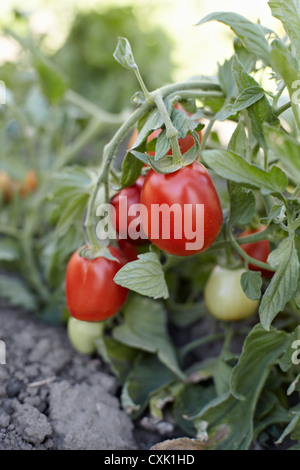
(87, 56)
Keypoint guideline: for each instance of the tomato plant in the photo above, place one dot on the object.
(91, 293)
(218, 371)
(191, 185)
(224, 296)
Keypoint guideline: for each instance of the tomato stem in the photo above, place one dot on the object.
(206, 134)
(172, 132)
(244, 255)
(283, 108)
(143, 86)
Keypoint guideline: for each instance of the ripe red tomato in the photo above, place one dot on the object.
(91, 293)
(257, 250)
(192, 185)
(128, 250)
(133, 194)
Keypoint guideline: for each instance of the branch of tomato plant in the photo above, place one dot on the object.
(255, 237)
(90, 108)
(195, 94)
(207, 133)
(173, 261)
(245, 256)
(111, 148)
(283, 108)
(172, 132)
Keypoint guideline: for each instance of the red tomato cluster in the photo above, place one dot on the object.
(91, 293)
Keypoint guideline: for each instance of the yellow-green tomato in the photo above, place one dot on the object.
(82, 335)
(224, 296)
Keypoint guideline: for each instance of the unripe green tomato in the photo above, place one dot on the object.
(82, 335)
(224, 296)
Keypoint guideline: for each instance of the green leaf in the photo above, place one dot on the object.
(187, 401)
(276, 214)
(252, 35)
(140, 156)
(284, 283)
(251, 282)
(153, 122)
(242, 204)
(131, 170)
(261, 351)
(15, 291)
(123, 54)
(226, 79)
(272, 413)
(235, 168)
(182, 122)
(73, 211)
(145, 328)
(248, 97)
(293, 386)
(163, 145)
(259, 112)
(238, 142)
(288, 12)
(284, 63)
(222, 376)
(144, 276)
(119, 356)
(147, 376)
(9, 250)
(295, 422)
(285, 148)
(75, 177)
